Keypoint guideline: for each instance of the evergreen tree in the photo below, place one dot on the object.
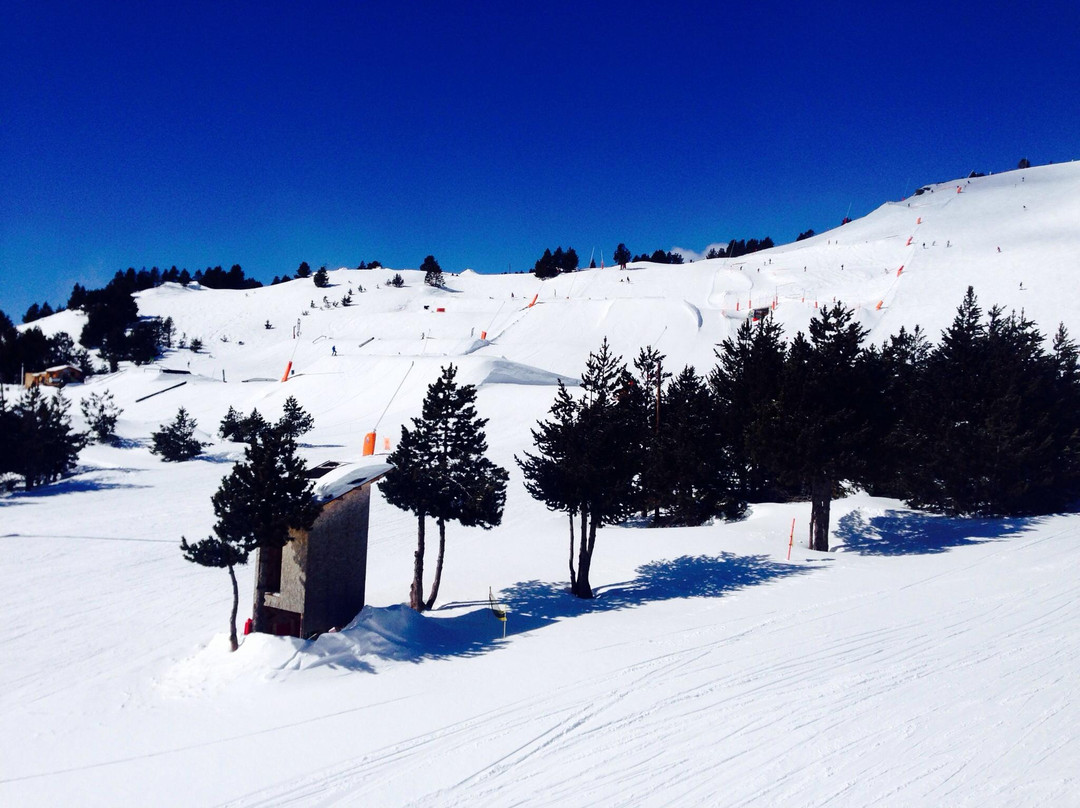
(895, 378)
(645, 395)
(61, 349)
(295, 420)
(321, 278)
(590, 457)
(813, 435)
(744, 384)
(224, 553)
(440, 470)
(101, 414)
(622, 255)
(397, 281)
(433, 274)
(257, 504)
(44, 446)
(241, 429)
(265, 495)
(546, 267)
(176, 440)
(998, 432)
(303, 271)
(694, 472)
(570, 260)
(553, 475)
(8, 431)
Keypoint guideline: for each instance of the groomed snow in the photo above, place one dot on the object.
(926, 661)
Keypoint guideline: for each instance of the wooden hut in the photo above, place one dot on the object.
(320, 573)
(56, 376)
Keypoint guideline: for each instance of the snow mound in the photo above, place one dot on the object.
(503, 371)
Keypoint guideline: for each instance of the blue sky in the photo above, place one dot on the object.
(270, 133)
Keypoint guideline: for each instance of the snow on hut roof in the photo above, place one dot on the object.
(343, 478)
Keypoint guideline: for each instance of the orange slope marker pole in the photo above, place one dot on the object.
(288, 370)
(791, 540)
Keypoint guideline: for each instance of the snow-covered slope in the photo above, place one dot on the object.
(928, 661)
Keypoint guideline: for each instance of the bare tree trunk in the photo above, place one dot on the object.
(438, 564)
(416, 593)
(820, 500)
(235, 605)
(573, 574)
(584, 588)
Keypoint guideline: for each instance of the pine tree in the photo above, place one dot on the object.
(257, 504)
(264, 496)
(295, 420)
(570, 260)
(241, 429)
(101, 414)
(321, 278)
(998, 429)
(304, 270)
(814, 433)
(896, 377)
(546, 267)
(745, 382)
(176, 440)
(433, 274)
(45, 447)
(696, 472)
(440, 471)
(8, 431)
(622, 255)
(553, 475)
(589, 459)
(216, 551)
(645, 396)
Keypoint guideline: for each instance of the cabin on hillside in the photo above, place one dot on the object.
(321, 573)
(56, 376)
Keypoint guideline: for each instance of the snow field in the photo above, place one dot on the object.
(927, 661)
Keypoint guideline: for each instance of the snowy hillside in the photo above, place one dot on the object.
(928, 661)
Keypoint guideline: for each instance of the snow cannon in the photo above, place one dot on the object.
(369, 444)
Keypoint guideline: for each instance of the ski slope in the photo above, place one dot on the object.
(926, 661)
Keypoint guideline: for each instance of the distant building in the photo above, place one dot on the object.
(321, 573)
(53, 377)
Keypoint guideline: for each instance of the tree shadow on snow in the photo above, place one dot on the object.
(72, 485)
(534, 604)
(398, 633)
(895, 533)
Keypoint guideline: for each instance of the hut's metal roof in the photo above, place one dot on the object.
(336, 481)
